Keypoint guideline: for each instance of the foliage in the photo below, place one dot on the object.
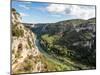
(17, 31)
(63, 40)
(13, 9)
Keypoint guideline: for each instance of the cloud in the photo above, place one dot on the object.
(83, 12)
(56, 8)
(23, 14)
(24, 6)
(77, 11)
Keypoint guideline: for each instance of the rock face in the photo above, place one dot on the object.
(25, 56)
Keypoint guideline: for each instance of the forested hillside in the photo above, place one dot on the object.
(71, 39)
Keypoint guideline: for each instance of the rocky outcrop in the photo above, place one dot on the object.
(25, 56)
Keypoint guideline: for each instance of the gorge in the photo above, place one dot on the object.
(48, 47)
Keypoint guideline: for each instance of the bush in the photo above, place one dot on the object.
(17, 32)
(13, 9)
(28, 65)
(17, 55)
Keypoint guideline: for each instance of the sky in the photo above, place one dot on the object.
(39, 12)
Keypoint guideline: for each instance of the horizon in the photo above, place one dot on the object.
(58, 21)
(41, 12)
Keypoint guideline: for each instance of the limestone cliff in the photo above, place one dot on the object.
(25, 56)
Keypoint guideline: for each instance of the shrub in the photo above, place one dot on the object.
(28, 65)
(17, 55)
(17, 32)
(13, 9)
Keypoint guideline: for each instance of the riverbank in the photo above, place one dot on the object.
(66, 62)
(64, 65)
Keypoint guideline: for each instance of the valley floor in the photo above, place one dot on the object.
(58, 63)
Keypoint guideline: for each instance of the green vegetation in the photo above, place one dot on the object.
(73, 21)
(62, 40)
(92, 20)
(26, 67)
(13, 9)
(50, 39)
(17, 32)
(17, 55)
(50, 43)
(55, 65)
(28, 64)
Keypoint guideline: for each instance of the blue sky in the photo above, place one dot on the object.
(37, 12)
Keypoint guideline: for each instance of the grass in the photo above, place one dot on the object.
(56, 66)
(50, 39)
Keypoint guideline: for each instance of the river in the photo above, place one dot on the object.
(55, 59)
(49, 57)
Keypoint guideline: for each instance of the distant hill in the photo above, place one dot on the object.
(74, 38)
(60, 26)
(73, 21)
